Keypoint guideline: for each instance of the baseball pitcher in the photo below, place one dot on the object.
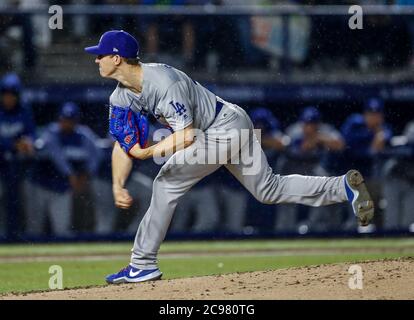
(204, 125)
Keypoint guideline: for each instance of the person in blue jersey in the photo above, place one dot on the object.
(310, 138)
(17, 132)
(67, 157)
(366, 137)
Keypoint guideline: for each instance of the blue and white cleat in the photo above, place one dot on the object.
(359, 197)
(131, 274)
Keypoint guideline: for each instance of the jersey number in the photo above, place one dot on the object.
(178, 107)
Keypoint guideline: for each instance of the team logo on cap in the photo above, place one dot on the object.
(115, 50)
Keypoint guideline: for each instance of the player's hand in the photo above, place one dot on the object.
(123, 199)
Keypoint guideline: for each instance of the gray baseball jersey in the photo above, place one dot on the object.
(173, 97)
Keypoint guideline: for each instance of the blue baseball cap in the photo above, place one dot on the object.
(116, 42)
(374, 105)
(10, 83)
(264, 117)
(310, 115)
(69, 110)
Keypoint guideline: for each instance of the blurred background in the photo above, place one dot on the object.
(326, 97)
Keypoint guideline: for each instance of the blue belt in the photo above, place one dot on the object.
(219, 106)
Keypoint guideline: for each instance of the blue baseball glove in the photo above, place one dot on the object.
(128, 128)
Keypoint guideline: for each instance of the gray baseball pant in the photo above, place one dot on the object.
(176, 177)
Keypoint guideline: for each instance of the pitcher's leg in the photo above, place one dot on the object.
(172, 182)
(271, 188)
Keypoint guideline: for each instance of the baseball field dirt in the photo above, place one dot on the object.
(381, 279)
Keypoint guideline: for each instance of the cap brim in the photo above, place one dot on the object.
(94, 50)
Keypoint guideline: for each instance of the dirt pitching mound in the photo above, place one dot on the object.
(383, 279)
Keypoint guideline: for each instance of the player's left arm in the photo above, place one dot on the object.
(177, 141)
(176, 108)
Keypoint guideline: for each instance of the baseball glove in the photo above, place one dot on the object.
(128, 128)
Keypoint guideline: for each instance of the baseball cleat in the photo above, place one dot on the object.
(359, 197)
(131, 274)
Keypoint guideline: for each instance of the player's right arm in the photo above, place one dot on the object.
(121, 168)
(121, 162)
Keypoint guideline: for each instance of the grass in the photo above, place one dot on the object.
(34, 275)
(32, 250)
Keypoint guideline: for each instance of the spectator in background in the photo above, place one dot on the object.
(366, 136)
(409, 20)
(273, 143)
(116, 21)
(399, 189)
(39, 23)
(310, 139)
(250, 35)
(67, 158)
(283, 39)
(81, 23)
(162, 31)
(223, 41)
(17, 36)
(17, 133)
